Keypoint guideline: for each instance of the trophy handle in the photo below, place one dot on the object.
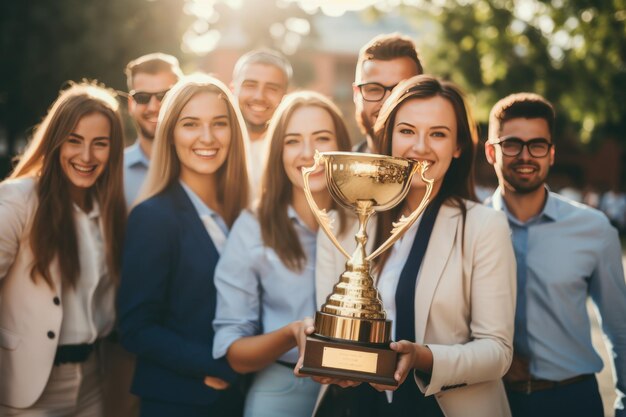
(404, 223)
(320, 215)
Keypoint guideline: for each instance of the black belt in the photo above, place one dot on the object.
(72, 353)
(286, 364)
(534, 385)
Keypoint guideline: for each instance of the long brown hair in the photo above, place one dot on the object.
(277, 230)
(232, 177)
(458, 182)
(53, 232)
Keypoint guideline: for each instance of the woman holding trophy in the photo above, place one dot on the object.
(449, 283)
(196, 187)
(266, 277)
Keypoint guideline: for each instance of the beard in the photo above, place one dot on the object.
(523, 186)
(145, 132)
(365, 124)
(254, 127)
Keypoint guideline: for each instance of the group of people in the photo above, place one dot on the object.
(190, 261)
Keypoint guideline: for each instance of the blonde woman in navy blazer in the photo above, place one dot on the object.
(62, 217)
(197, 185)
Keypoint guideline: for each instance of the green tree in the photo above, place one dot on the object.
(44, 44)
(572, 52)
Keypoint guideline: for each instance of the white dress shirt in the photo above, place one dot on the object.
(89, 307)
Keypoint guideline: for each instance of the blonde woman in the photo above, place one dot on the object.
(266, 278)
(196, 187)
(63, 218)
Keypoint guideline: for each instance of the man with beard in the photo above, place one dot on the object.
(260, 80)
(565, 251)
(149, 77)
(382, 63)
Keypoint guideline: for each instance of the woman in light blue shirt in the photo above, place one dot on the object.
(265, 278)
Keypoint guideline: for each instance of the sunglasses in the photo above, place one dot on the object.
(537, 148)
(141, 97)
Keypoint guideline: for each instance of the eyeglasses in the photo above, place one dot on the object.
(142, 97)
(537, 148)
(374, 91)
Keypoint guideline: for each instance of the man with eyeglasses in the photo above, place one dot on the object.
(382, 63)
(565, 252)
(149, 77)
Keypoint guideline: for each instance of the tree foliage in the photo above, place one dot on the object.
(572, 52)
(46, 43)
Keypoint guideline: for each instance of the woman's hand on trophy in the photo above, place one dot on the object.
(411, 356)
(215, 383)
(302, 329)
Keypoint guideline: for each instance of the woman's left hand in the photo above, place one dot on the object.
(215, 383)
(411, 356)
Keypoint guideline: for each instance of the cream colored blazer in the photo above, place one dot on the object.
(464, 307)
(30, 313)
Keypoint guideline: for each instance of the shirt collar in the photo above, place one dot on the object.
(133, 155)
(197, 203)
(293, 215)
(93, 214)
(549, 211)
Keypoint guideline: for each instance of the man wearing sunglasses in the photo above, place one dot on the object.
(149, 77)
(382, 63)
(565, 252)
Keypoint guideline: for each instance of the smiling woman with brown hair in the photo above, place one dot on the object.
(449, 283)
(63, 218)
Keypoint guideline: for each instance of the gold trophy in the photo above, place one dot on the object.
(352, 333)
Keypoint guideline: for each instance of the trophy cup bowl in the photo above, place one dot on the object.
(352, 333)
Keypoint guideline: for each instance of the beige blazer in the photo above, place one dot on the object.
(464, 307)
(30, 313)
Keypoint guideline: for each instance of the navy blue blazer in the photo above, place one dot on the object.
(166, 301)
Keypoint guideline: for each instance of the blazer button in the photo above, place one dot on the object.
(50, 334)
(56, 301)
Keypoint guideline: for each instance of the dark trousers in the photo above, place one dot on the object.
(365, 401)
(229, 404)
(580, 399)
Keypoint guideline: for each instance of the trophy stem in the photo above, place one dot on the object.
(364, 211)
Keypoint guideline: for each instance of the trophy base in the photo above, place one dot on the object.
(346, 360)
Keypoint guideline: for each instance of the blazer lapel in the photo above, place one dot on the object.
(436, 257)
(190, 217)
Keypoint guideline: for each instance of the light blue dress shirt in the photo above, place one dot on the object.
(256, 292)
(568, 252)
(203, 209)
(135, 169)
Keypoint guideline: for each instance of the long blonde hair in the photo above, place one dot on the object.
(277, 230)
(232, 176)
(53, 232)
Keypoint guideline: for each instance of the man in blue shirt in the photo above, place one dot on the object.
(149, 77)
(565, 251)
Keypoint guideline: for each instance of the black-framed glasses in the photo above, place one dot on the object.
(512, 146)
(374, 91)
(142, 97)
